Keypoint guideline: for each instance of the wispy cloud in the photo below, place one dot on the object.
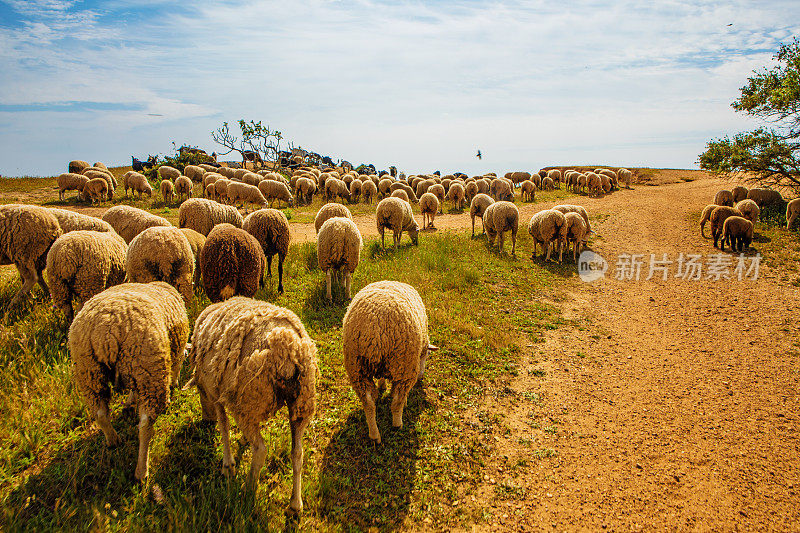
(416, 84)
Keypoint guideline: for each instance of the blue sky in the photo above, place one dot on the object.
(421, 85)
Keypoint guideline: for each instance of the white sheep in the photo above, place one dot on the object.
(547, 228)
(625, 175)
(166, 172)
(162, 254)
(244, 193)
(183, 187)
(194, 173)
(749, 210)
(69, 182)
(498, 218)
(575, 232)
(477, 207)
(251, 358)
(330, 210)
(428, 207)
(202, 214)
(385, 336)
(338, 249)
(72, 220)
(129, 221)
(395, 214)
(136, 182)
(276, 190)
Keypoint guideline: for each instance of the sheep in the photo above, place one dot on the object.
(77, 166)
(167, 191)
(749, 210)
(96, 189)
(456, 194)
(335, 188)
(183, 187)
(202, 214)
(211, 191)
(792, 211)
(739, 193)
(626, 175)
(276, 366)
(569, 208)
(196, 242)
(96, 173)
(330, 210)
(385, 336)
(395, 214)
(764, 197)
(738, 232)
(208, 168)
(605, 183)
(304, 189)
(137, 183)
(129, 221)
(384, 187)
(498, 218)
(477, 207)
(517, 177)
(575, 232)
(244, 193)
(438, 190)
(166, 172)
(536, 179)
(355, 191)
(231, 263)
(228, 172)
(369, 191)
(705, 216)
(98, 164)
(547, 184)
(72, 220)
(548, 227)
(211, 177)
(194, 173)
(276, 190)
(69, 182)
(612, 176)
(428, 207)
(399, 185)
(251, 178)
(718, 216)
(339, 249)
(83, 263)
(162, 254)
(134, 336)
(501, 190)
(724, 197)
(26, 234)
(581, 182)
(594, 183)
(239, 174)
(528, 189)
(270, 227)
(400, 193)
(470, 190)
(221, 189)
(555, 176)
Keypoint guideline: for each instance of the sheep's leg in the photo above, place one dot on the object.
(549, 246)
(280, 274)
(298, 427)
(348, 277)
(206, 405)
(560, 250)
(368, 394)
(473, 226)
(104, 422)
(328, 284)
(228, 462)
(500, 241)
(513, 243)
(399, 396)
(397, 236)
(533, 255)
(145, 434)
(383, 239)
(259, 456)
(269, 266)
(28, 276)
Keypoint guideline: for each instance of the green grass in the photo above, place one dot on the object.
(57, 473)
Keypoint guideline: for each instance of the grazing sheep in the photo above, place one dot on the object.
(166, 172)
(194, 173)
(749, 210)
(251, 178)
(498, 218)
(162, 254)
(517, 177)
(132, 336)
(428, 207)
(196, 242)
(399, 185)
(167, 191)
(70, 182)
(385, 187)
(95, 173)
(400, 193)
(129, 221)
(72, 220)
(575, 233)
(330, 210)
(724, 197)
(555, 176)
(605, 183)
(477, 207)
(470, 190)
(422, 187)
(612, 177)
(228, 172)
(765, 197)
(211, 177)
(355, 191)
(385, 336)
(718, 216)
(96, 189)
(528, 189)
(137, 183)
(231, 262)
(705, 216)
(270, 227)
(548, 184)
(569, 208)
(456, 194)
(338, 249)
(244, 193)
(739, 193)
(369, 191)
(304, 189)
(26, 234)
(738, 232)
(221, 189)
(183, 187)
(98, 164)
(335, 188)
(582, 183)
(395, 214)
(77, 166)
(276, 366)
(83, 263)
(548, 227)
(625, 175)
(276, 190)
(502, 190)
(594, 183)
(201, 215)
(792, 211)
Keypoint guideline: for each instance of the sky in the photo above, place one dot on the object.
(419, 85)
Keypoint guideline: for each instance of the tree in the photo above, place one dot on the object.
(769, 156)
(258, 143)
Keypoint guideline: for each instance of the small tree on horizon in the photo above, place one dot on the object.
(769, 155)
(256, 142)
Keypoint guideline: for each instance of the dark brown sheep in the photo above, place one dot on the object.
(232, 263)
(270, 227)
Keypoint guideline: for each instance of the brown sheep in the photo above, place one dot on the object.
(232, 263)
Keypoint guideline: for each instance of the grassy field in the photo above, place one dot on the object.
(485, 309)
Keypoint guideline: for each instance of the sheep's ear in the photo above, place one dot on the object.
(432, 348)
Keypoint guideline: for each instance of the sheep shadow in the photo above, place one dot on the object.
(362, 484)
(376, 252)
(318, 312)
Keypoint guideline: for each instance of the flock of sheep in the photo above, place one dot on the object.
(733, 215)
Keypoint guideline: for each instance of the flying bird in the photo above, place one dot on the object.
(479, 155)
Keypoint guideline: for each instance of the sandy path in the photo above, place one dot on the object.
(683, 410)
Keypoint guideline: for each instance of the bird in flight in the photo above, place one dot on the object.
(479, 155)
